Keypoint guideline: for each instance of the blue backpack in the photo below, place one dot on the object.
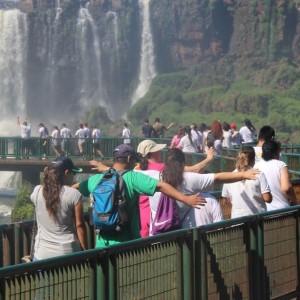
(110, 211)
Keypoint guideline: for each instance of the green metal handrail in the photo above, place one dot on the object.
(254, 257)
(14, 147)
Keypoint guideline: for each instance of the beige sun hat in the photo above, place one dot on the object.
(149, 146)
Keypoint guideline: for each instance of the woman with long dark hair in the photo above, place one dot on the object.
(248, 132)
(277, 174)
(187, 144)
(59, 212)
(247, 197)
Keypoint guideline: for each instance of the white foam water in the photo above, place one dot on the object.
(6, 205)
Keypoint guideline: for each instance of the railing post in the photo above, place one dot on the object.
(255, 262)
(200, 265)
(111, 278)
(187, 278)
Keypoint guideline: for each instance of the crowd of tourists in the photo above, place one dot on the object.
(58, 138)
(259, 183)
(190, 139)
(193, 138)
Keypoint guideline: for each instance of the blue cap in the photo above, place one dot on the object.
(63, 164)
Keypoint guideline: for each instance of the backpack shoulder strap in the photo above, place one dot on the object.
(121, 182)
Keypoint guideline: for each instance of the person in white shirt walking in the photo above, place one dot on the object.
(44, 137)
(96, 134)
(56, 141)
(65, 133)
(126, 134)
(80, 134)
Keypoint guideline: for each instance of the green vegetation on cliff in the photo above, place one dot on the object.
(23, 208)
(267, 95)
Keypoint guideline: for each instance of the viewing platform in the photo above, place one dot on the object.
(253, 257)
(12, 156)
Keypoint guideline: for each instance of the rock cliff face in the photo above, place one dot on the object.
(188, 32)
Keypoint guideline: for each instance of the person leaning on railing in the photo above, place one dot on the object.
(277, 174)
(193, 183)
(247, 197)
(59, 212)
(125, 158)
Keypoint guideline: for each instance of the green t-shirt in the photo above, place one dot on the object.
(135, 184)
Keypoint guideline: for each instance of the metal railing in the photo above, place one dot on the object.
(15, 147)
(254, 257)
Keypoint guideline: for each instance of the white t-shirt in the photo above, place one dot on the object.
(56, 238)
(227, 139)
(87, 132)
(186, 146)
(247, 135)
(43, 133)
(65, 133)
(246, 196)
(80, 133)
(126, 135)
(272, 169)
(211, 212)
(96, 135)
(25, 131)
(56, 137)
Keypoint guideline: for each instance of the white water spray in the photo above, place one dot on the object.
(112, 18)
(147, 65)
(58, 10)
(90, 53)
(13, 57)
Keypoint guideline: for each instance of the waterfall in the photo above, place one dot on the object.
(58, 10)
(10, 181)
(147, 64)
(89, 47)
(53, 50)
(112, 30)
(13, 57)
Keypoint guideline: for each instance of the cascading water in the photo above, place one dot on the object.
(58, 10)
(89, 48)
(112, 31)
(147, 65)
(10, 182)
(111, 63)
(13, 57)
(68, 61)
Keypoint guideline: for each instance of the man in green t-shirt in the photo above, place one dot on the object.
(135, 184)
